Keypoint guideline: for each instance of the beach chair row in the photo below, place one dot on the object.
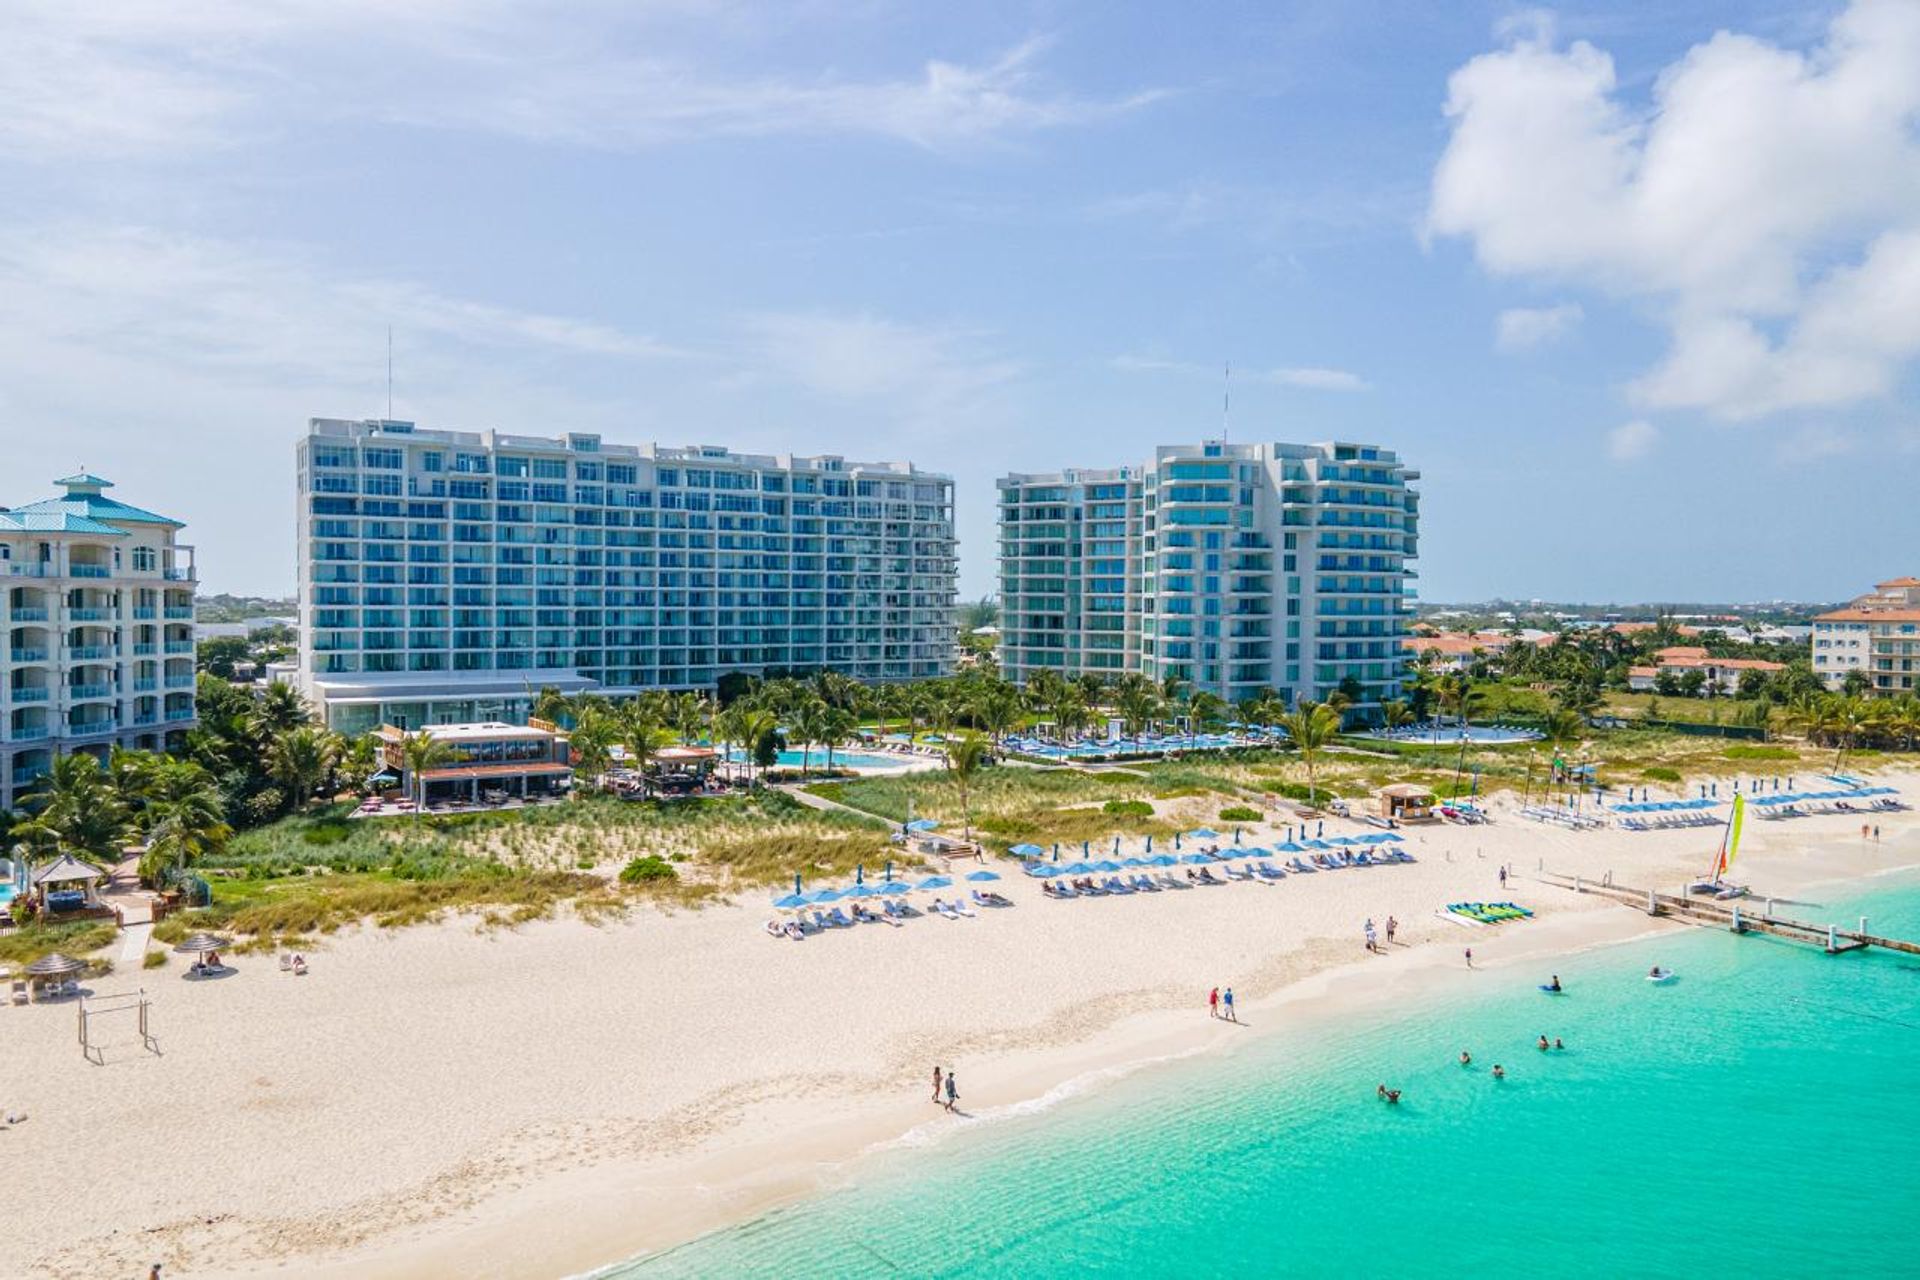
(892, 912)
(1569, 818)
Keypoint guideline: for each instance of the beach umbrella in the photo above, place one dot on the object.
(1389, 836)
(796, 882)
(934, 882)
(1204, 833)
(1133, 862)
(201, 944)
(54, 965)
(922, 824)
(861, 891)
(1076, 869)
(1026, 850)
(1318, 844)
(1290, 847)
(1236, 835)
(891, 888)
(1196, 858)
(822, 896)
(1106, 866)
(791, 902)
(1162, 860)
(860, 873)
(1320, 828)
(981, 877)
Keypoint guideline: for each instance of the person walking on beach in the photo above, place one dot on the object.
(1503, 875)
(1392, 926)
(1876, 833)
(1372, 944)
(936, 1084)
(953, 1091)
(1227, 1000)
(1213, 1003)
(1469, 957)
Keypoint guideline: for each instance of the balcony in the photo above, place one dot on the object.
(144, 613)
(31, 733)
(27, 694)
(180, 615)
(145, 650)
(145, 685)
(89, 615)
(28, 570)
(29, 655)
(85, 692)
(29, 615)
(89, 652)
(179, 646)
(180, 682)
(28, 774)
(183, 714)
(88, 571)
(93, 728)
(179, 575)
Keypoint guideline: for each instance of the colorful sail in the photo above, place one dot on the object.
(1732, 843)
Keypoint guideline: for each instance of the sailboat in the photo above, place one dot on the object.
(1715, 884)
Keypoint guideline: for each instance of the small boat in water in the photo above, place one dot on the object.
(1657, 974)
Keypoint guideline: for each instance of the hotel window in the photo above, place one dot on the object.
(143, 558)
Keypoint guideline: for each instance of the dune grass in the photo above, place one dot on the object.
(20, 947)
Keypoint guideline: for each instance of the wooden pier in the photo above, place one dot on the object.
(1738, 915)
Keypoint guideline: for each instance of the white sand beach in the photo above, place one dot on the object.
(536, 1102)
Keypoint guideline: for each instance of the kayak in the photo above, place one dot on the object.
(1665, 975)
(1553, 991)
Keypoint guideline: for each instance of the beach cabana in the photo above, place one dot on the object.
(67, 885)
(1405, 802)
(54, 970)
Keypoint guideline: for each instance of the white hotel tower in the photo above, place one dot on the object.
(1238, 568)
(447, 576)
(96, 600)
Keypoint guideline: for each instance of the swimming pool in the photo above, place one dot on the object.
(1149, 744)
(1481, 734)
(817, 759)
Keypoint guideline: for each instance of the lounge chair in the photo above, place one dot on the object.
(286, 958)
(839, 917)
(774, 930)
(821, 922)
(1144, 884)
(1270, 872)
(1112, 884)
(959, 907)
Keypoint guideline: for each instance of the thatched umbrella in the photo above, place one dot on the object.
(55, 965)
(201, 944)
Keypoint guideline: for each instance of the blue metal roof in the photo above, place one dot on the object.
(85, 502)
(25, 520)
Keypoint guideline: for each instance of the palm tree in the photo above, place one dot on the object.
(836, 726)
(965, 755)
(1397, 713)
(420, 752)
(997, 709)
(279, 709)
(184, 820)
(1560, 728)
(754, 727)
(551, 705)
(1204, 713)
(1311, 727)
(298, 760)
(591, 743)
(74, 808)
(1137, 700)
(809, 721)
(637, 727)
(357, 760)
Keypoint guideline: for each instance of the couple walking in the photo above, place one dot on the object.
(1220, 1004)
(951, 1083)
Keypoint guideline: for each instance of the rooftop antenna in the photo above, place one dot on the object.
(389, 373)
(1226, 400)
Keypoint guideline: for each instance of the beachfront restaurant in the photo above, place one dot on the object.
(485, 762)
(1405, 802)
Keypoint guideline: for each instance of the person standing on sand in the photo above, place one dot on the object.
(953, 1091)
(1503, 875)
(1876, 833)
(1392, 926)
(1227, 999)
(1469, 957)
(1213, 1003)
(936, 1084)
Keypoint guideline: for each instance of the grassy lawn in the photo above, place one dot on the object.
(21, 947)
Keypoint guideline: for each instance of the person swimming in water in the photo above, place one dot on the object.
(1466, 1059)
(1543, 1044)
(1557, 1044)
(1499, 1072)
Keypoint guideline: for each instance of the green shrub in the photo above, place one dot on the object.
(1128, 808)
(1297, 791)
(648, 869)
(154, 960)
(1660, 773)
(1240, 813)
(1749, 752)
(327, 831)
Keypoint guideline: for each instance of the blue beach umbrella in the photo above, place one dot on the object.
(1196, 858)
(796, 883)
(1290, 847)
(922, 824)
(892, 888)
(1026, 850)
(1162, 860)
(1204, 833)
(935, 882)
(861, 891)
(823, 896)
(1388, 836)
(981, 877)
(1176, 839)
(791, 902)
(1106, 866)
(1116, 844)
(1077, 869)
(860, 873)
(1133, 862)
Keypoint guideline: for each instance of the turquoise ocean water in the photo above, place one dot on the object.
(1761, 1114)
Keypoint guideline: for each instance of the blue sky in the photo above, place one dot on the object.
(1636, 287)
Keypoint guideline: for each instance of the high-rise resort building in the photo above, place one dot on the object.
(447, 576)
(1877, 635)
(98, 613)
(1238, 568)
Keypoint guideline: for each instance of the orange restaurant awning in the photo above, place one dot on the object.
(493, 771)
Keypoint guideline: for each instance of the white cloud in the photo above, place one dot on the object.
(1816, 442)
(1631, 441)
(1766, 202)
(1523, 328)
(924, 376)
(1304, 377)
(129, 78)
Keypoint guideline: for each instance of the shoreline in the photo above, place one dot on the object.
(718, 1153)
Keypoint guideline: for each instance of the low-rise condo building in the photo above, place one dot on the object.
(1718, 675)
(447, 576)
(1237, 568)
(1877, 635)
(98, 614)
(476, 762)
